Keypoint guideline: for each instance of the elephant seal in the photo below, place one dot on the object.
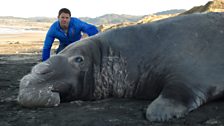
(177, 62)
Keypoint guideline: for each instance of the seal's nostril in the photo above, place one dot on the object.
(41, 68)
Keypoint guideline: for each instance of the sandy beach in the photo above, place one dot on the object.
(24, 42)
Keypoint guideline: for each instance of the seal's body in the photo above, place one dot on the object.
(177, 62)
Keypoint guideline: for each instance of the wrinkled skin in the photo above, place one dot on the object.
(178, 63)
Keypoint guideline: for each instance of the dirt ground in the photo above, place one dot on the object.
(19, 52)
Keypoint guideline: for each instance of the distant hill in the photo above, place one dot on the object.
(111, 19)
(105, 19)
(41, 19)
(31, 19)
(211, 6)
(160, 15)
(173, 11)
(101, 20)
(116, 18)
(36, 23)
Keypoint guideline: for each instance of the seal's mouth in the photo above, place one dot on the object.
(32, 93)
(64, 90)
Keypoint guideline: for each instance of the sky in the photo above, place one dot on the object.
(92, 8)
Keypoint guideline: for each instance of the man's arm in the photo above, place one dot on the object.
(47, 45)
(88, 28)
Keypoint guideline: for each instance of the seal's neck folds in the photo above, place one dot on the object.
(111, 77)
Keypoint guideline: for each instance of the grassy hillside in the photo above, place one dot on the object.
(211, 6)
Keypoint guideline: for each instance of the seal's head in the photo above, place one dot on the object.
(61, 78)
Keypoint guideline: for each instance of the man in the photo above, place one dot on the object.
(67, 30)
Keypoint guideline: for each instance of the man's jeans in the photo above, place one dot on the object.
(61, 47)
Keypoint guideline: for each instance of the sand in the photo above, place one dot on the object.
(22, 43)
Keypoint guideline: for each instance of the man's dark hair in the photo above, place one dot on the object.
(64, 10)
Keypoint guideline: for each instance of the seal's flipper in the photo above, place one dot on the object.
(175, 101)
(163, 109)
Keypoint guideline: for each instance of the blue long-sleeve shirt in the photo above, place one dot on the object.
(76, 26)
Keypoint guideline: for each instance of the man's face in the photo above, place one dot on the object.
(64, 20)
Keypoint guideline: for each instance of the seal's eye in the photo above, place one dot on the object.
(79, 59)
